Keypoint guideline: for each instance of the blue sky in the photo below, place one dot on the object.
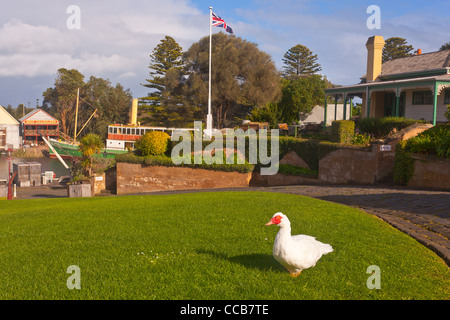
(116, 37)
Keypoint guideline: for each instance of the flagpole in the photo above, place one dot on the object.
(209, 116)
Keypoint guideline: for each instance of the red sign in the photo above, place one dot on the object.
(41, 121)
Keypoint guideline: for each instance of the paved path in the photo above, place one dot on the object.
(424, 215)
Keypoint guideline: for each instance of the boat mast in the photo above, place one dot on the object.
(76, 116)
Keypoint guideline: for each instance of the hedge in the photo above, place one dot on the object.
(434, 141)
(167, 162)
(342, 131)
(382, 127)
(403, 164)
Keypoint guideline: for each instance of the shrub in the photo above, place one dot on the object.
(297, 171)
(443, 146)
(382, 127)
(423, 145)
(360, 139)
(342, 131)
(154, 143)
(403, 164)
(435, 140)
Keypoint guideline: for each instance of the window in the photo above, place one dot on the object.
(447, 96)
(422, 97)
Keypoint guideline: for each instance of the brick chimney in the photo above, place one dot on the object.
(374, 47)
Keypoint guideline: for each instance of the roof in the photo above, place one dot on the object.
(416, 63)
(401, 83)
(6, 118)
(433, 62)
(37, 114)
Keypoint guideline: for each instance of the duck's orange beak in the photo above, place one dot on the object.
(269, 223)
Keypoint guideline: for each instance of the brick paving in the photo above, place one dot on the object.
(424, 215)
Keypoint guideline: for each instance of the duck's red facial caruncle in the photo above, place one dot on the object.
(274, 220)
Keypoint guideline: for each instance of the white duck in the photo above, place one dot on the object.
(295, 253)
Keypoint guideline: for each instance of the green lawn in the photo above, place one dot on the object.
(204, 246)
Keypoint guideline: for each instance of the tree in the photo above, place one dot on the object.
(62, 98)
(299, 96)
(395, 48)
(112, 102)
(445, 46)
(241, 75)
(268, 113)
(299, 60)
(166, 65)
(90, 145)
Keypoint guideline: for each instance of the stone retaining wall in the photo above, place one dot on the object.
(356, 165)
(137, 178)
(430, 173)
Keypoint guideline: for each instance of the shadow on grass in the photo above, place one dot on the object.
(260, 261)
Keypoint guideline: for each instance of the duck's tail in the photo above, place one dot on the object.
(326, 248)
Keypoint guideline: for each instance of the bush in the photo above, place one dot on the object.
(435, 140)
(342, 131)
(382, 127)
(165, 161)
(297, 171)
(443, 146)
(360, 139)
(403, 164)
(154, 143)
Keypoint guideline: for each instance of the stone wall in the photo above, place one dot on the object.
(137, 178)
(3, 191)
(98, 183)
(357, 165)
(79, 190)
(430, 173)
(280, 179)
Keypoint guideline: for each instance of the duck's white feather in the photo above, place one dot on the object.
(297, 252)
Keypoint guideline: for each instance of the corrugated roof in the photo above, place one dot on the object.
(33, 114)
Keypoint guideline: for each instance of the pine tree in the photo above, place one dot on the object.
(395, 48)
(299, 60)
(445, 46)
(167, 55)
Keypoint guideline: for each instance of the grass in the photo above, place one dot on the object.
(204, 246)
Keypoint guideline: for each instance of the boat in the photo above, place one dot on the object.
(121, 138)
(68, 150)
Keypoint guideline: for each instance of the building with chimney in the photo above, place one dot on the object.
(416, 87)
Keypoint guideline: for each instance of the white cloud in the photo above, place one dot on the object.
(19, 37)
(112, 40)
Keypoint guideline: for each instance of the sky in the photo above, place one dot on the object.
(113, 39)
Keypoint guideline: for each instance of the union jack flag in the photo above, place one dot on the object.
(219, 22)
